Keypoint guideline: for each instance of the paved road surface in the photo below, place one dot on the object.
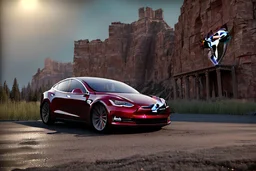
(32, 144)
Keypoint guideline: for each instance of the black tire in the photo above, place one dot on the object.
(45, 113)
(99, 119)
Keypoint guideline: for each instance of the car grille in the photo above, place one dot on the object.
(150, 121)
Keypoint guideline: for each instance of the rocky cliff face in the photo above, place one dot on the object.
(136, 53)
(200, 17)
(51, 73)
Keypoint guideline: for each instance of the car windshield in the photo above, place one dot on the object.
(106, 85)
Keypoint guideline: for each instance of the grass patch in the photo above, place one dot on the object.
(31, 110)
(20, 111)
(235, 107)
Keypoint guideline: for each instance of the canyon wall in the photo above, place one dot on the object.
(197, 18)
(51, 73)
(136, 53)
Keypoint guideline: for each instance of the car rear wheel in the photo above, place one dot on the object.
(99, 118)
(46, 114)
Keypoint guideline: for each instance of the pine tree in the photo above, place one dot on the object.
(3, 94)
(6, 89)
(23, 93)
(28, 93)
(43, 88)
(40, 92)
(15, 93)
(34, 96)
(48, 85)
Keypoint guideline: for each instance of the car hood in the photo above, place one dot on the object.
(139, 99)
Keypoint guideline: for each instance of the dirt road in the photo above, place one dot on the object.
(181, 146)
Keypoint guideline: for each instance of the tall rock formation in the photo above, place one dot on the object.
(51, 73)
(135, 53)
(198, 17)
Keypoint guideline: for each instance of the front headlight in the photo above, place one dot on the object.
(120, 103)
(163, 101)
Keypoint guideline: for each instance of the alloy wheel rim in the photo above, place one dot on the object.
(99, 118)
(45, 112)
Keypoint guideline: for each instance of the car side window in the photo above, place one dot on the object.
(75, 85)
(63, 86)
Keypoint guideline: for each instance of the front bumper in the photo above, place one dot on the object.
(139, 117)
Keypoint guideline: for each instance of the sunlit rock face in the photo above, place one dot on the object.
(51, 73)
(135, 53)
(200, 17)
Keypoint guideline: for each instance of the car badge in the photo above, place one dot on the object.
(157, 106)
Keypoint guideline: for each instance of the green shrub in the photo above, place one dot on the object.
(237, 107)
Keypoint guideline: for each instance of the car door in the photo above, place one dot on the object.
(60, 99)
(77, 103)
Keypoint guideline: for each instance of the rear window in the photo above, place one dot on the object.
(112, 86)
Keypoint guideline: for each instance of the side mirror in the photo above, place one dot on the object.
(77, 91)
(86, 94)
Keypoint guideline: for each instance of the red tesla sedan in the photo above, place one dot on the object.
(102, 103)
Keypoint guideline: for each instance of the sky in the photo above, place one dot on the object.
(32, 30)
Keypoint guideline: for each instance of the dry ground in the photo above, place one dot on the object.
(180, 146)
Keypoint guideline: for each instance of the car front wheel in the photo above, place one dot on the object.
(99, 118)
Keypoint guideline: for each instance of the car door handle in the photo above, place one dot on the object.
(68, 96)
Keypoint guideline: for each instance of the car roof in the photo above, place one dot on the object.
(90, 78)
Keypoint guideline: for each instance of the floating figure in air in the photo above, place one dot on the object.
(212, 42)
